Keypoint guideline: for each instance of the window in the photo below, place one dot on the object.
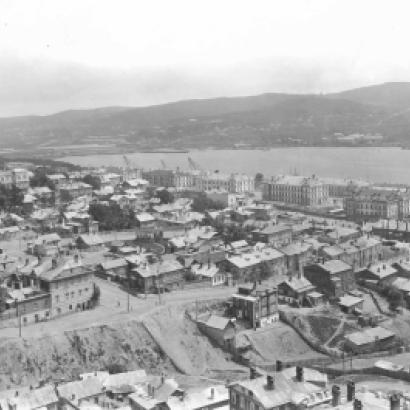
(241, 402)
(233, 397)
(70, 307)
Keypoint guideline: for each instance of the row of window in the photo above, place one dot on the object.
(67, 294)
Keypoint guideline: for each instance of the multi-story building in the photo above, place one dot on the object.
(341, 188)
(298, 190)
(357, 253)
(184, 180)
(72, 191)
(256, 264)
(288, 389)
(378, 204)
(70, 285)
(160, 177)
(234, 183)
(18, 176)
(257, 305)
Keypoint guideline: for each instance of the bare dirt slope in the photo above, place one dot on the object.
(164, 340)
(188, 349)
(279, 342)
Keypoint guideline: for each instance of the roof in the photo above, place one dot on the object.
(370, 335)
(114, 263)
(402, 284)
(335, 266)
(35, 399)
(158, 268)
(63, 270)
(51, 237)
(382, 270)
(80, 389)
(194, 398)
(125, 378)
(296, 248)
(333, 251)
(144, 217)
(252, 258)
(239, 244)
(285, 391)
(299, 284)
(349, 301)
(208, 270)
(272, 229)
(217, 322)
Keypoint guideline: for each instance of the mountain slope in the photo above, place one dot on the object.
(266, 119)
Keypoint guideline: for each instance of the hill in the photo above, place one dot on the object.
(263, 120)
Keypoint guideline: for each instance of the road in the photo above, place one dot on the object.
(113, 308)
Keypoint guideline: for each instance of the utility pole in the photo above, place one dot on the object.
(18, 317)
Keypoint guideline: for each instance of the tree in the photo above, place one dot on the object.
(202, 203)
(10, 197)
(40, 178)
(165, 196)
(112, 217)
(258, 179)
(395, 299)
(93, 181)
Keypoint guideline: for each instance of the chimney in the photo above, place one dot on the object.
(212, 393)
(357, 405)
(252, 373)
(53, 263)
(76, 258)
(335, 395)
(351, 388)
(16, 393)
(73, 397)
(27, 262)
(299, 374)
(270, 382)
(279, 365)
(395, 402)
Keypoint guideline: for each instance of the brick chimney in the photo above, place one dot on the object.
(279, 365)
(270, 382)
(53, 263)
(252, 373)
(335, 395)
(351, 389)
(299, 374)
(357, 405)
(395, 402)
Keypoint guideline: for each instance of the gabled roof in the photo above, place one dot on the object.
(370, 335)
(299, 284)
(349, 301)
(63, 270)
(382, 270)
(34, 399)
(114, 263)
(81, 389)
(217, 322)
(335, 266)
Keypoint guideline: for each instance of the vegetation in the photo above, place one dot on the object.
(258, 179)
(165, 196)
(395, 298)
(202, 203)
(10, 198)
(93, 181)
(40, 178)
(112, 217)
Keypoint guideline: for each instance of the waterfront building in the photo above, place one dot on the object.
(297, 190)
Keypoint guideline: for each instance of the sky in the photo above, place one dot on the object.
(65, 54)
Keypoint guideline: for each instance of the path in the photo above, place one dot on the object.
(336, 332)
(113, 308)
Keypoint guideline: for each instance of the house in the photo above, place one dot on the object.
(296, 288)
(296, 255)
(114, 269)
(208, 398)
(145, 220)
(333, 277)
(158, 276)
(369, 340)
(277, 392)
(57, 179)
(68, 192)
(257, 305)
(155, 394)
(275, 235)
(257, 264)
(357, 253)
(381, 273)
(70, 285)
(33, 307)
(41, 398)
(82, 392)
(220, 329)
(350, 304)
(208, 272)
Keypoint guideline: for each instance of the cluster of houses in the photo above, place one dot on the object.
(285, 388)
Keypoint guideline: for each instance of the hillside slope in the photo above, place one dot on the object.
(266, 119)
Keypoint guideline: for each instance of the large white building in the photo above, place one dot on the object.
(298, 190)
(234, 183)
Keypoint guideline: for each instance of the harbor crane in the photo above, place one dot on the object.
(193, 165)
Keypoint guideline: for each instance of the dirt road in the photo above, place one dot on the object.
(113, 308)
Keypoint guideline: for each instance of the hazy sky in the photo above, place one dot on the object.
(61, 54)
